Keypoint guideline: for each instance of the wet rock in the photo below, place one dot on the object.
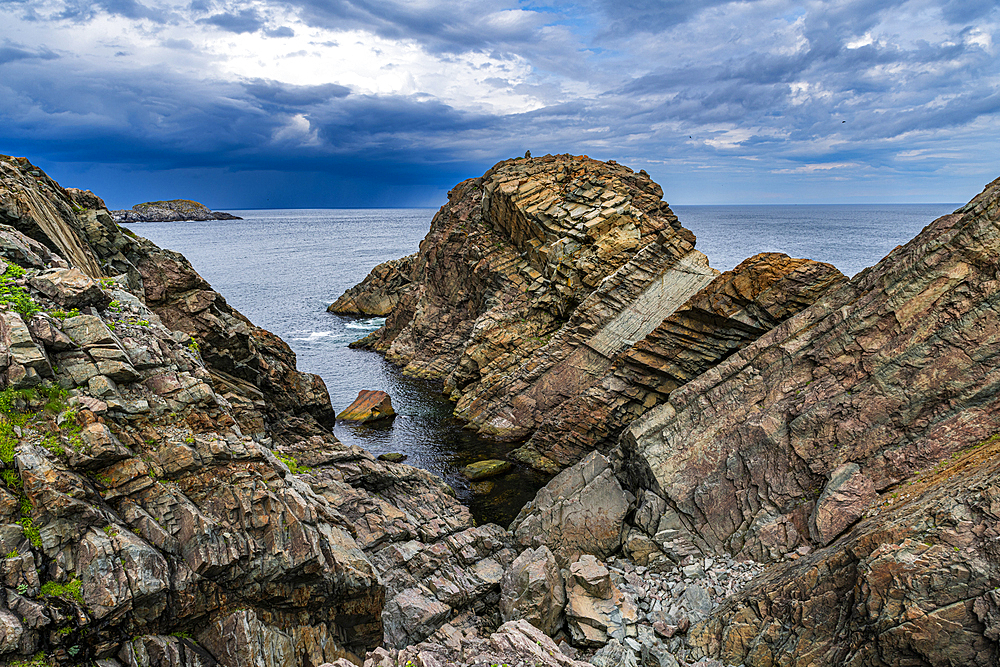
(369, 406)
(483, 469)
(580, 511)
(532, 588)
(392, 457)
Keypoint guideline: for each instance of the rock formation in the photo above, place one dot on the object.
(850, 434)
(733, 310)
(174, 210)
(532, 280)
(170, 494)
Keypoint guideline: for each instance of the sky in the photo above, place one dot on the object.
(365, 103)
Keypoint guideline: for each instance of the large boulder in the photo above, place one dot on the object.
(369, 406)
(596, 611)
(580, 511)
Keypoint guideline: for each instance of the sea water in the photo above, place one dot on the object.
(282, 268)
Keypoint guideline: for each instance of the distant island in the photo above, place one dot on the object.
(170, 211)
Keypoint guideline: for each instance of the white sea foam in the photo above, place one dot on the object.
(368, 325)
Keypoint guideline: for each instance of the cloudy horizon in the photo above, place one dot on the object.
(323, 103)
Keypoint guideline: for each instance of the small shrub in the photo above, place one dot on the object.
(70, 590)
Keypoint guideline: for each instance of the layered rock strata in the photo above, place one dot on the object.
(844, 434)
(174, 210)
(532, 280)
(733, 310)
(175, 500)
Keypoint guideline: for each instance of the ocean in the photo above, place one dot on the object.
(282, 268)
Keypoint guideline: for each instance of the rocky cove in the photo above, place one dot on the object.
(774, 465)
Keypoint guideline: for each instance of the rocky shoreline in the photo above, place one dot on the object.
(174, 210)
(770, 466)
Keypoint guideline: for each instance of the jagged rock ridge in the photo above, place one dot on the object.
(173, 210)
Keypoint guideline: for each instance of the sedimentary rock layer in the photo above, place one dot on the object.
(730, 312)
(530, 283)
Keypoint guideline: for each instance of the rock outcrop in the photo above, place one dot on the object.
(844, 445)
(532, 280)
(173, 210)
(170, 495)
(733, 310)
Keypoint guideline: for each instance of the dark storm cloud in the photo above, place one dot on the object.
(9, 52)
(246, 20)
(288, 96)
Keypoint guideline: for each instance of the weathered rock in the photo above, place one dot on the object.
(733, 310)
(579, 512)
(531, 281)
(392, 457)
(70, 288)
(173, 210)
(614, 655)
(887, 371)
(895, 372)
(483, 469)
(369, 406)
(380, 291)
(844, 500)
(595, 610)
(912, 583)
(532, 588)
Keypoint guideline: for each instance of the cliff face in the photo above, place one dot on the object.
(169, 494)
(848, 437)
(530, 283)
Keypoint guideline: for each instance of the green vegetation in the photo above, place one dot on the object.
(64, 314)
(71, 590)
(38, 660)
(31, 532)
(193, 346)
(293, 465)
(14, 295)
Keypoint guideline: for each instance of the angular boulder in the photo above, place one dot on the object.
(369, 406)
(532, 588)
(580, 511)
(596, 611)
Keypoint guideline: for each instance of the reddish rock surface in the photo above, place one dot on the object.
(369, 406)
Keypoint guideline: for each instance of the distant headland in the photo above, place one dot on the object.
(170, 211)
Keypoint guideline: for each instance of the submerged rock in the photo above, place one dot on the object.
(392, 457)
(483, 469)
